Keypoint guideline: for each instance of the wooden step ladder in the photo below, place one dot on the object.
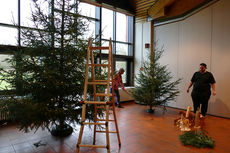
(90, 63)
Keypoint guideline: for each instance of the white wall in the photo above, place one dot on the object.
(202, 37)
(142, 36)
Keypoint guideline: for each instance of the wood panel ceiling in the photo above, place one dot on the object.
(164, 9)
(141, 9)
(152, 9)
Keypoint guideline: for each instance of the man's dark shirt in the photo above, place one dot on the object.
(202, 81)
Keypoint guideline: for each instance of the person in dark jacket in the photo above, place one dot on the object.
(202, 82)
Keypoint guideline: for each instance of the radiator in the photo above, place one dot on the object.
(3, 116)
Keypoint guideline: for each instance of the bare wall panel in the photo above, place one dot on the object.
(220, 104)
(195, 48)
(167, 39)
(142, 36)
(202, 37)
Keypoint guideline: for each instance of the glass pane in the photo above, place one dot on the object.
(121, 27)
(107, 24)
(104, 69)
(8, 36)
(5, 66)
(69, 5)
(9, 11)
(121, 49)
(26, 40)
(86, 10)
(90, 29)
(3, 63)
(105, 44)
(27, 7)
(122, 64)
(130, 29)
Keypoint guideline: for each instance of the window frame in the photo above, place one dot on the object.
(98, 30)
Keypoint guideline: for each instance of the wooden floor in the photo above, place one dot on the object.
(140, 133)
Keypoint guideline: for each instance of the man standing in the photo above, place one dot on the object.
(117, 81)
(202, 81)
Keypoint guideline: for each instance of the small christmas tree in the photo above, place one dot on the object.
(154, 85)
(48, 72)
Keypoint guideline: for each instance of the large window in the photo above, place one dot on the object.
(107, 24)
(87, 10)
(27, 7)
(103, 24)
(5, 65)
(118, 27)
(121, 27)
(9, 11)
(8, 36)
(90, 28)
(122, 64)
(121, 49)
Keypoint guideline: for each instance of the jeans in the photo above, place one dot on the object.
(117, 95)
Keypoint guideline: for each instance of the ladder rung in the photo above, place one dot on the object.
(103, 120)
(104, 107)
(99, 48)
(104, 65)
(101, 107)
(105, 131)
(100, 80)
(96, 102)
(93, 146)
(103, 94)
(90, 123)
(100, 83)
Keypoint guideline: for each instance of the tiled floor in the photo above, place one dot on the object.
(140, 132)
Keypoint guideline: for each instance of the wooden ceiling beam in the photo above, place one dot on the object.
(143, 1)
(143, 8)
(141, 19)
(141, 15)
(150, 2)
(141, 12)
(159, 14)
(157, 10)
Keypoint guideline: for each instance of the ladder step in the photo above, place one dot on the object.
(101, 107)
(103, 94)
(96, 102)
(103, 120)
(99, 48)
(104, 65)
(104, 107)
(91, 123)
(105, 131)
(99, 83)
(93, 146)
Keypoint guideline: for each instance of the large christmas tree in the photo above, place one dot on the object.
(47, 74)
(154, 83)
